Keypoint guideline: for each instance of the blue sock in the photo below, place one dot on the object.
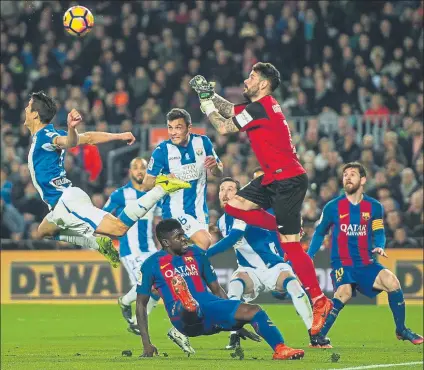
(266, 329)
(397, 305)
(332, 316)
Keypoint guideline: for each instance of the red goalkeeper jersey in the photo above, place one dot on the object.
(269, 134)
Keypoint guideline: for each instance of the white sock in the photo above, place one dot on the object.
(130, 297)
(151, 304)
(300, 302)
(83, 241)
(235, 289)
(137, 209)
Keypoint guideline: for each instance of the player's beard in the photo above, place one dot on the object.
(137, 180)
(251, 92)
(352, 189)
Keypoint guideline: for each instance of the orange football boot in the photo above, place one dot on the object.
(282, 352)
(183, 293)
(321, 309)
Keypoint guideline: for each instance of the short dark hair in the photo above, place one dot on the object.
(269, 72)
(177, 113)
(230, 179)
(166, 226)
(44, 105)
(358, 166)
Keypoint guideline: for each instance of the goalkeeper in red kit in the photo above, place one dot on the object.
(284, 183)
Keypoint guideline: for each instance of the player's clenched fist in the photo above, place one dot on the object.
(128, 137)
(74, 118)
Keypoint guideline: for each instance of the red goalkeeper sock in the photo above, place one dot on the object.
(303, 267)
(254, 217)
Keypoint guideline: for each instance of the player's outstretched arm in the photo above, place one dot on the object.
(225, 243)
(321, 230)
(141, 312)
(95, 138)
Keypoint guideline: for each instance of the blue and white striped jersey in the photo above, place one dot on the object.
(256, 248)
(45, 163)
(187, 163)
(139, 238)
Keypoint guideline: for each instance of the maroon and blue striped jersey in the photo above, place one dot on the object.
(158, 270)
(356, 230)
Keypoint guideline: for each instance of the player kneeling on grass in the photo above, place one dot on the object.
(182, 275)
(358, 233)
(260, 267)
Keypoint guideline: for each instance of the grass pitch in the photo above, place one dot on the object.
(94, 336)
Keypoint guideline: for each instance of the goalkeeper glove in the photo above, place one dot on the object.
(203, 88)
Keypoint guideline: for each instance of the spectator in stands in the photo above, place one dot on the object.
(11, 221)
(402, 241)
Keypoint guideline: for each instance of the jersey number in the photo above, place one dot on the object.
(339, 274)
(182, 220)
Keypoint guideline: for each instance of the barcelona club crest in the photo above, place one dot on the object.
(366, 216)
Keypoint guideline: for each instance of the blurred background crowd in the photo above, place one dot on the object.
(352, 89)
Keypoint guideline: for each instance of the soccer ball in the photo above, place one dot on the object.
(78, 21)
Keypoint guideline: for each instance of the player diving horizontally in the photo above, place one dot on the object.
(182, 275)
(358, 234)
(136, 246)
(260, 267)
(72, 217)
(284, 183)
(188, 157)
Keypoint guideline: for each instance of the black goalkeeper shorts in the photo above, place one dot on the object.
(285, 197)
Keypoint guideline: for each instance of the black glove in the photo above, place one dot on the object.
(246, 334)
(203, 88)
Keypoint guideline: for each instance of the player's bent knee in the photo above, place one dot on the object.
(344, 293)
(389, 280)
(242, 203)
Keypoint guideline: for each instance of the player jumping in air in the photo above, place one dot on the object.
(260, 267)
(72, 217)
(182, 275)
(187, 156)
(358, 234)
(137, 245)
(284, 183)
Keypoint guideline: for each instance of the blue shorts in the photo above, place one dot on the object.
(213, 316)
(361, 278)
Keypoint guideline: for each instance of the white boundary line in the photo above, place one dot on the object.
(379, 366)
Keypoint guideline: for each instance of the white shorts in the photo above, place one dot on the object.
(132, 264)
(74, 211)
(264, 280)
(190, 224)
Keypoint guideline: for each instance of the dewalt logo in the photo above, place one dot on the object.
(60, 277)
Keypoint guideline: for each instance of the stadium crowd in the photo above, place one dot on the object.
(342, 64)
